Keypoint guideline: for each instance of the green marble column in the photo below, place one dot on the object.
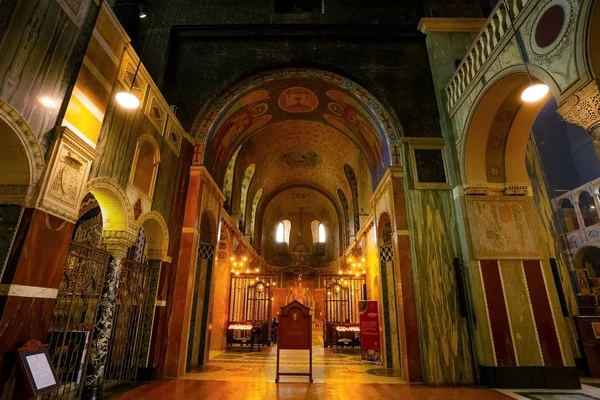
(149, 309)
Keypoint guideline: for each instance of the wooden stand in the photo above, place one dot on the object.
(39, 352)
(295, 333)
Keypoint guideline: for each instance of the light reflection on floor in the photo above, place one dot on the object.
(328, 367)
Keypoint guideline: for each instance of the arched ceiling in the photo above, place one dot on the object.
(280, 103)
(299, 152)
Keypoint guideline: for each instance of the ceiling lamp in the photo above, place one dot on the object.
(128, 100)
(535, 91)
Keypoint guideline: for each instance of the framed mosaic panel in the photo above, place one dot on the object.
(428, 163)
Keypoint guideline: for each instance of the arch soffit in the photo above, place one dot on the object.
(580, 253)
(33, 150)
(208, 119)
(117, 212)
(483, 109)
(157, 233)
(208, 217)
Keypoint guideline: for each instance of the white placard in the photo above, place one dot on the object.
(40, 371)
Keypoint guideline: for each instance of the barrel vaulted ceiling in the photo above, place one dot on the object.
(298, 127)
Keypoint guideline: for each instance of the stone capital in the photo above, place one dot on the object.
(118, 242)
(583, 107)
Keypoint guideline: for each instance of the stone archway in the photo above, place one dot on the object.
(21, 158)
(511, 232)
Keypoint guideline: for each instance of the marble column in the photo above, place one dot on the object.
(390, 311)
(580, 220)
(596, 197)
(94, 377)
(149, 309)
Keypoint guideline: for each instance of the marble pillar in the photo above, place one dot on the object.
(94, 376)
(580, 219)
(389, 305)
(149, 310)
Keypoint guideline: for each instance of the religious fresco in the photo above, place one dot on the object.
(228, 182)
(345, 116)
(244, 195)
(310, 99)
(298, 159)
(247, 116)
(298, 100)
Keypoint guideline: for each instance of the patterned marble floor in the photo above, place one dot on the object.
(328, 367)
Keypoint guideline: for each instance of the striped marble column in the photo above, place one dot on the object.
(94, 376)
(390, 312)
(149, 308)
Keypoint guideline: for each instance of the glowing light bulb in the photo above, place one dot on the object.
(363, 259)
(128, 100)
(232, 259)
(142, 14)
(48, 102)
(534, 93)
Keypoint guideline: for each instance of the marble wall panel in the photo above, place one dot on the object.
(42, 50)
(553, 246)
(520, 314)
(445, 346)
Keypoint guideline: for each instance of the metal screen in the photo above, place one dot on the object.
(74, 317)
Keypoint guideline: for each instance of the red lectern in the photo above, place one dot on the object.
(295, 333)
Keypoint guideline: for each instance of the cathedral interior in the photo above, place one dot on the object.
(299, 199)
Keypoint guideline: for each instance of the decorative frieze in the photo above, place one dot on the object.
(502, 228)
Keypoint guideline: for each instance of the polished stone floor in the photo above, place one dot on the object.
(244, 375)
(328, 367)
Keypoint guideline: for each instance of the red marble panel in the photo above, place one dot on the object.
(501, 335)
(40, 251)
(400, 217)
(21, 319)
(542, 314)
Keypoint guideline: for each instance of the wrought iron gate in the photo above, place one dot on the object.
(74, 318)
(125, 342)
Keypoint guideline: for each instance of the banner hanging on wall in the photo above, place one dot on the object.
(369, 331)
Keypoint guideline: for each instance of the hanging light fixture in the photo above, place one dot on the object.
(535, 91)
(127, 99)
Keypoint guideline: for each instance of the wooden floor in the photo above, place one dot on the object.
(220, 390)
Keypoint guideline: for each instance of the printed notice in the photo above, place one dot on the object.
(40, 371)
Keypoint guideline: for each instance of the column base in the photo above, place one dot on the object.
(92, 392)
(530, 377)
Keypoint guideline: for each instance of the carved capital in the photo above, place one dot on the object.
(583, 107)
(118, 242)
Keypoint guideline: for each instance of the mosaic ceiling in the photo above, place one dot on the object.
(279, 105)
(298, 152)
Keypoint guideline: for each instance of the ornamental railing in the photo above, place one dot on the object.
(496, 28)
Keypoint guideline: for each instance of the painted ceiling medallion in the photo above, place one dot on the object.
(302, 160)
(298, 100)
